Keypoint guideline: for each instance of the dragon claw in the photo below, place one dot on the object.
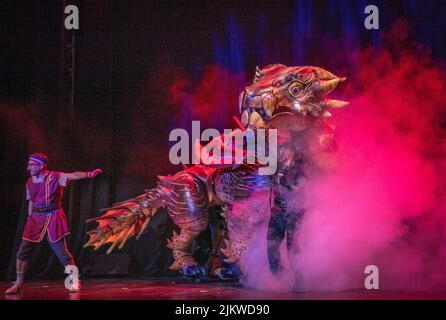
(194, 272)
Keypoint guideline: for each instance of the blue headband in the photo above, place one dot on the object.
(38, 159)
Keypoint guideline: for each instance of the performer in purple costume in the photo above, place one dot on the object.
(46, 218)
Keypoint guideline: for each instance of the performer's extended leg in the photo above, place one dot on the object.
(61, 251)
(65, 257)
(23, 253)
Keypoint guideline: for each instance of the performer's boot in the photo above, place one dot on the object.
(21, 267)
(75, 282)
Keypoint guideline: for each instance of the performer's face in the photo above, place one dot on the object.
(34, 167)
(285, 155)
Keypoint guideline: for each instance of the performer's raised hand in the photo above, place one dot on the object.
(94, 173)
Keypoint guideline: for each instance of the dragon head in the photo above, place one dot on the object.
(290, 98)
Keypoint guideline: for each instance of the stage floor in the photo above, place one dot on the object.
(183, 289)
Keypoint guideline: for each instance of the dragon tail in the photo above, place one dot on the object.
(124, 220)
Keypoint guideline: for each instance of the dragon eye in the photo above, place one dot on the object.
(295, 89)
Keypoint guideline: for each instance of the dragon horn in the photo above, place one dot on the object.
(258, 75)
(323, 74)
(333, 103)
(324, 87)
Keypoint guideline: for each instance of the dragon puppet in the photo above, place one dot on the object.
(291, 100)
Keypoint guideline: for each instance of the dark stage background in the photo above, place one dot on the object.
(129, 59)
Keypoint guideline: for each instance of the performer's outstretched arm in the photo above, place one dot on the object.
(83, 175)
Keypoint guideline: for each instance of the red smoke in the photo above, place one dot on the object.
(23, 124)
(35, 131)
(213, 100)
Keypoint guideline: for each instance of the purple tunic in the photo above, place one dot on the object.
(48, 215)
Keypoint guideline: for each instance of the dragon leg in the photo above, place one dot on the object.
(180, 243)
(244, 218)
(239, 239)
(186, 200)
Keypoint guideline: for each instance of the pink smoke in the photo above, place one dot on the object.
(381, 200)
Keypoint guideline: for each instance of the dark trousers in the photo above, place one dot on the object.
(59, 248)
(282, 224)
